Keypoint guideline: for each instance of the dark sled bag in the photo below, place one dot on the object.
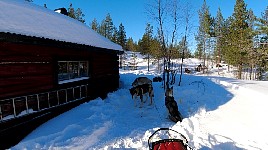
(178, 143)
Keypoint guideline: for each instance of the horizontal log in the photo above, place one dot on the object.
(25, 80)
(19, 69)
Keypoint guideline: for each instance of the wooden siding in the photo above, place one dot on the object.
(29, 68)
(24, 70)
(24, 77)
(104, 64)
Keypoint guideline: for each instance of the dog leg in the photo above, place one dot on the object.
(151, 94)
(135, 100)
(141, 97)
(147, 95)
(141, 102)
(151, 100)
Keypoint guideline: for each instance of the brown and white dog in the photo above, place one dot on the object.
(141, 91)
(142, 86)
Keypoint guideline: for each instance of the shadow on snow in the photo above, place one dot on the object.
(118, 118)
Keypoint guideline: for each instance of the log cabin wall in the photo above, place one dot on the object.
(23, 72)
(105, 73)
(27, 68)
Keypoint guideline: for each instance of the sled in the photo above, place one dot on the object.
(167, 139)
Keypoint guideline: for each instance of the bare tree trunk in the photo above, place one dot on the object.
(250, 72)
(159, 13)
(158, 65)
(162, 38)
(148, 62)
(182, 59)
(239, 71)
(186, 28)
(175, 21)
(204, 51)
(187, 18)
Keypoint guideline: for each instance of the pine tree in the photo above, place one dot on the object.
(146, 41)
(94, 24)
(102, 29)
(122, 36)
(262, 50)
(114, 37)
(71, 11)
(183, 46)
(204, 30)
(226, 38)
(156, 51)
(76, 14)
(131, 45)
(262, 26)
(199, 51)
(264, 21)
(79, 15)
(251, 50)
(109, 26)
(219, 23)
(239, 33)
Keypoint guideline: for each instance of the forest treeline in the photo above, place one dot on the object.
(240, 40)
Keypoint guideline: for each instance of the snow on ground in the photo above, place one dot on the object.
(219, 113)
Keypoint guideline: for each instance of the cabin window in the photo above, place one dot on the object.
(70, 71)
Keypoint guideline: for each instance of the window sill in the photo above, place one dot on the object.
(73, 80)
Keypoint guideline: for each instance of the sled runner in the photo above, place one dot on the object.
(167, 139)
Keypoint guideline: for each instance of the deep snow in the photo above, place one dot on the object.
(219, 113)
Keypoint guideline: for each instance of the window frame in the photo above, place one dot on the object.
(72, 71)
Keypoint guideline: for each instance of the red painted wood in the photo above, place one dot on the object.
(26, 68)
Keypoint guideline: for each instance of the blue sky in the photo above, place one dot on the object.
(132, 13)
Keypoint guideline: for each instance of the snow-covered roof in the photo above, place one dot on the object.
(28, 19)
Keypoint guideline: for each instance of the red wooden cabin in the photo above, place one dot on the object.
(48, 59)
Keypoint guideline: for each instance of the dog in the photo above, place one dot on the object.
(141, 81)
(187, 70)
(140, 91)
(157, 79)
(172, 106)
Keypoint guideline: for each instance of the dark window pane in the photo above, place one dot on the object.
(63, 74)
(83, 69)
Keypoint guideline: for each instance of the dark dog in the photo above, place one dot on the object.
(172, 106)
(141, 90)
(157, 79)
(187, 70)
